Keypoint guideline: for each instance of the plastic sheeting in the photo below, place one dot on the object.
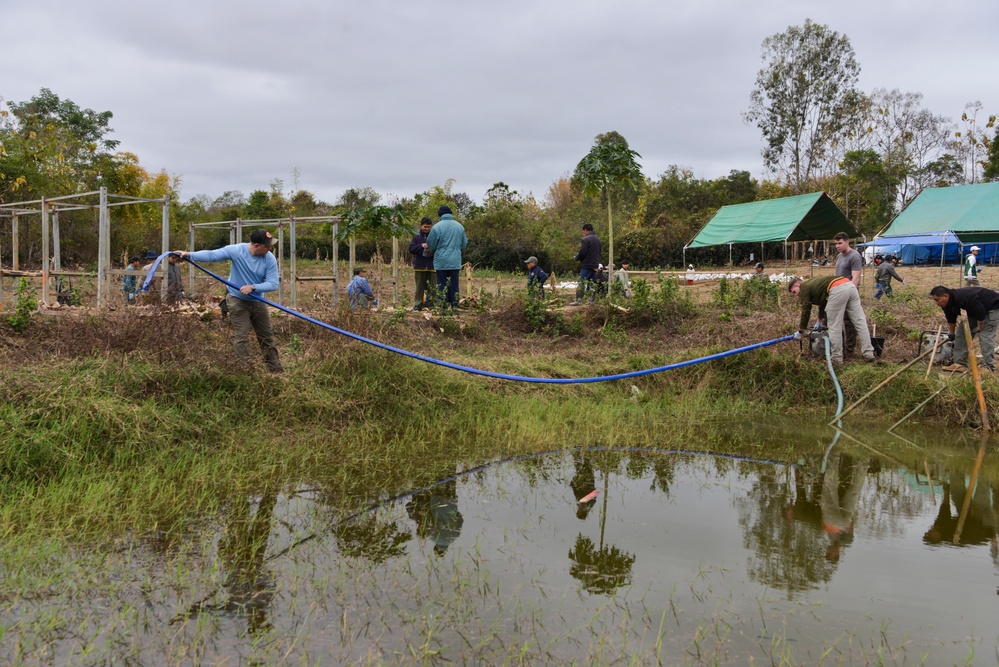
(802, 218)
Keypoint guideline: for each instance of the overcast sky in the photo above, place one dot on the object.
(401, 96)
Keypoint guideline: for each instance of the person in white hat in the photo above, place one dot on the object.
(971, 268)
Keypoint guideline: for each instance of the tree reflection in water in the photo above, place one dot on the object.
(368, 537)
(600, 568)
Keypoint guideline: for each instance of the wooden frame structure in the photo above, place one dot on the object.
(49, 209)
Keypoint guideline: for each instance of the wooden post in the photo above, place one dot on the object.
(166, 243)
(468, 279)
(395, 272)
(336, 264)
(973, 361)
(45, 252)
(292, 262)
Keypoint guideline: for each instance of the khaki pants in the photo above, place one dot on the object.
(845, 301)
(253, 314)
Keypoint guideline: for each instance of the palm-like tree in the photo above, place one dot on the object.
(609, 164)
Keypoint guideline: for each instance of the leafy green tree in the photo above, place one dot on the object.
(53, 147)
(865, 189)
(991, 172)
(608, 165)
(945, 171)
(260, 207)
(804, 98)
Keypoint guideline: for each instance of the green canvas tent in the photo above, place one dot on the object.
(970, 212)
(802, 218)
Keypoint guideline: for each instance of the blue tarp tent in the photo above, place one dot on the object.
(917, 249)
(926, 248)
(950, 219)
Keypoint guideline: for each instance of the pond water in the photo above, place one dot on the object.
(673, 558)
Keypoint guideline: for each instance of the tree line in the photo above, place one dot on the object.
(870, 152)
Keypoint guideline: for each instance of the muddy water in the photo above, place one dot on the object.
(848, 556)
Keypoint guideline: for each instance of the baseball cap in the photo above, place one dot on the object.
(974, 248)
(531, 260)
(262, 237)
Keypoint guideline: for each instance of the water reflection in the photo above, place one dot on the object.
(372, 537)
(248, 585)
(435, 512)
(679, 557)
(600, 568)
(980, 518)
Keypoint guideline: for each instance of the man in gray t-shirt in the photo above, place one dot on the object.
(849, 264)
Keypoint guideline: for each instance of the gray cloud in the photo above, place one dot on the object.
(400, 97)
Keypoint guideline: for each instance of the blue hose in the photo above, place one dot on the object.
(468, 369)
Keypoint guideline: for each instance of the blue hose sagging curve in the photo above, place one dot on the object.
(468, 369)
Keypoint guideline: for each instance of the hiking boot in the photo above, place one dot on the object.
(955, 368)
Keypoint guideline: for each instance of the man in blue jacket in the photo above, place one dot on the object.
(255, 270)
(447, 241)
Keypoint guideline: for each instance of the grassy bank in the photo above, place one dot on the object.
(135, 423)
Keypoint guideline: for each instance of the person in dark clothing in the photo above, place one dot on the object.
(982, 308)
(589, 259)
(423, 263)
(886, 271)
(536, 278)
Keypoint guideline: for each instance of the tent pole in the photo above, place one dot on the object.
(730, 254)
(943, 253)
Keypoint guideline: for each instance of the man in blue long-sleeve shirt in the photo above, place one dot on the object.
(255, 270)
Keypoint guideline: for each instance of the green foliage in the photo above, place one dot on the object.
(53, 147)
(552, 322)
(664, 304)
(883, 317)
(756, 293)
(382, 222)
(295, 345)
(26, 305)
(867, 190)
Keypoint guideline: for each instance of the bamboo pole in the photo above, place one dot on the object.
(883, 383)
(929, 480)
(973, 361)
(970, 491)
(934, 354)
